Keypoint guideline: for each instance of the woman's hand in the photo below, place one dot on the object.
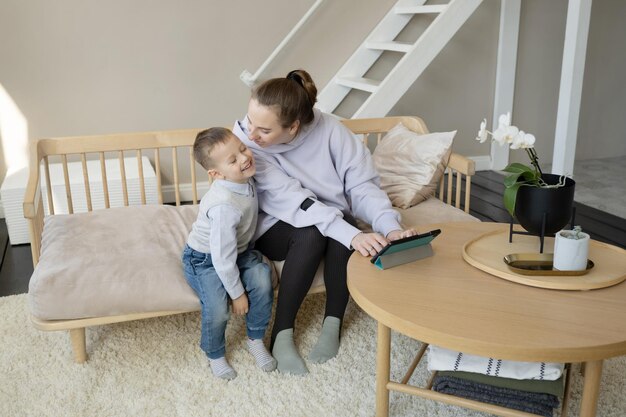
(240, 305)
(399, 234)
(369, 244)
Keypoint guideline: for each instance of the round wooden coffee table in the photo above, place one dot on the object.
(443, 300)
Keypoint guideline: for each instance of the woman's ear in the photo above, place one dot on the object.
(216, 175)
(293, 129)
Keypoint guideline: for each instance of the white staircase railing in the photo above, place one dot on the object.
(250, 78)
(383, 94)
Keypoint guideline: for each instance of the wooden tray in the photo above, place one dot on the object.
(487, 253)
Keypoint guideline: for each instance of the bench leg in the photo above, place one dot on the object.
(77, 336)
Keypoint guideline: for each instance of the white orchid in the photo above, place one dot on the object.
(519, 174)
(482, 133)
(523, 140)
(506, 133)
(504, 120)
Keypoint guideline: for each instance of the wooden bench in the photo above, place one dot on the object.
(166, 149)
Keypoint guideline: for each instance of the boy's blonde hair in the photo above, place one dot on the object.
(206, 141)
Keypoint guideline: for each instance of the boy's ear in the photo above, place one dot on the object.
(216, 175)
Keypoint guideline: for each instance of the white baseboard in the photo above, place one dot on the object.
(185, 190)
(483, 162)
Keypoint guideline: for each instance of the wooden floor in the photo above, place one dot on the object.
(17, 265)
(486, 204)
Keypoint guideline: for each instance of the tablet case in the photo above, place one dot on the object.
(402, 255)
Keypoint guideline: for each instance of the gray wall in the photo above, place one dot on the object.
(76, 67)
(603, 109)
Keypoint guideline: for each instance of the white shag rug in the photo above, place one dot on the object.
(155, 367)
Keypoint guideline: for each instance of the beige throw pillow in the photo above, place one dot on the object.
(410, 165)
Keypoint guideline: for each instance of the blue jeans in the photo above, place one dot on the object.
(256, 279)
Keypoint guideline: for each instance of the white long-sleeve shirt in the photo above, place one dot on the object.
(224, 227)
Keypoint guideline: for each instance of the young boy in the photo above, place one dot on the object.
(218, 263)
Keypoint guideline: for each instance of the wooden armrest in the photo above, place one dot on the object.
(462, 164)
(33, 203)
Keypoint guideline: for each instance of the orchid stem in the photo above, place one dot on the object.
(534, 159)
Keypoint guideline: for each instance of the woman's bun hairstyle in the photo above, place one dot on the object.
(293, 96)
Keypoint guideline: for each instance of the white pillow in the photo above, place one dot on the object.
(410, 165)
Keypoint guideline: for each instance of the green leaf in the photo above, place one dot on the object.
(519, 174)
(531, 177)
(510, 197)
(516, 167)
(511, 179)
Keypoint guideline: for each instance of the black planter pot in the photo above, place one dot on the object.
(556, 203)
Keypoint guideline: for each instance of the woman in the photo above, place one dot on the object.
(313, 177)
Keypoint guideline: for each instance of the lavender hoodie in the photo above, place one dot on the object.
(330, 165)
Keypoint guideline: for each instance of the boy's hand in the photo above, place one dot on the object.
(399, 234)
(240, 305)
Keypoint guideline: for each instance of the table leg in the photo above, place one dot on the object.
(383, 352)
(591, 388)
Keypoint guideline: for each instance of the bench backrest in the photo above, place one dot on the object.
(166, 149)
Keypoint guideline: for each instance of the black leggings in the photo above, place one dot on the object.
(302, 249)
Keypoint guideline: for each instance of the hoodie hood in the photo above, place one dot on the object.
(241, 130)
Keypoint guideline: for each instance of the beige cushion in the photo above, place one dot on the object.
(433, 210)
(127, 260)
(110, 262)
(410, 165)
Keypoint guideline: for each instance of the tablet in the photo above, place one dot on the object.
(407, 243)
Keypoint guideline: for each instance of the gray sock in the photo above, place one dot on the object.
(327, 345)
(262, 357)
(222, 369)
(286, 355)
